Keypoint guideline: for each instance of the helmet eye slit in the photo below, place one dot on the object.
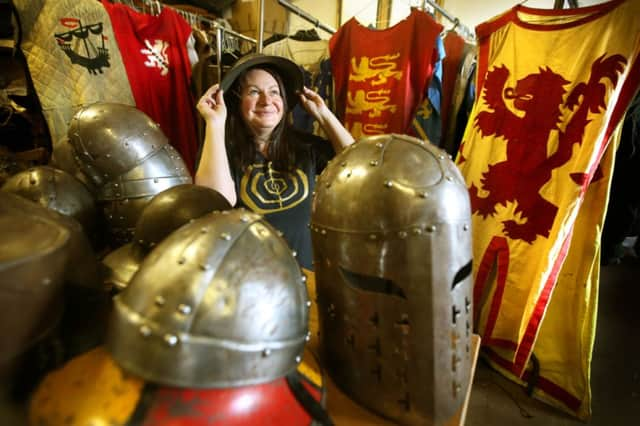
(372, 284)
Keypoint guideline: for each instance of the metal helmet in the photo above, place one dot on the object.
(392, 250)
(172, 208)
(33, 257)
(127, 158)
(57, 190)
(123, 199)
(166, 212)
(83, 268)
(220, 302)
(110, 139)
(121, 265)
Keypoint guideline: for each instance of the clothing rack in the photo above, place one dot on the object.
(463, 30)
(221, 31)
(306, 16)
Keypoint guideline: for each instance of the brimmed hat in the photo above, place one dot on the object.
(289, 71)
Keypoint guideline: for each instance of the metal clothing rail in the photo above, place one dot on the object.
(220, 30)
(304, 15)
(155, 6)
(456, 22)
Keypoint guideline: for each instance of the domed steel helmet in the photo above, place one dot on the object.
(128, 159)
(220, 302)
(392, 249)
(166, 212)
(83, 268)
(57, 190)
(33, 257)
(110, 139)
(172, 208)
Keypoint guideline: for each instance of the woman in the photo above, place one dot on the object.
(254, 157)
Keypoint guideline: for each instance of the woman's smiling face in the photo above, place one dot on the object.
(261, 102)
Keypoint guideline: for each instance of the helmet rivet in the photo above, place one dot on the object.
(308, 336)
(145, 330)
(323, 232)
(402, 234)
(304, 278)
(328, 185)
(449, 178)
(343, 164)
(182, 261)
(373, 162)
(32, 181)
(156, 180)
(266, 352)
(388, 184)
(160, 300)
(373, 237)
(171, 339)
(294, 253)
(441, 157)
(46, 281)
(431, 228)
(308, 303)
(379, 144)
(423, 194)
(225, 236)
(280, 233)
(349, 173)
(465, 227)
(205, 266)
(417, 231)
(298, 359)
(203, 230)
(184, 309)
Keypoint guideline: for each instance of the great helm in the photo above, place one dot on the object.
(392, 250)
(288, 70)
(220, 302)
(128, 159)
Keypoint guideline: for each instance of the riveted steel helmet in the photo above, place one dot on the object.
(33, 258)
(127, 158)
(172, 208)
(109, 139)
(166, 212)
(57, 190)
(392, 249)
(220, 302)
(83, 268)
(123, 199)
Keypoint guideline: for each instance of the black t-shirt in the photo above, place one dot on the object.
(285, 199)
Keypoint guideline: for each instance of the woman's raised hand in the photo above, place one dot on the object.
(211, 106)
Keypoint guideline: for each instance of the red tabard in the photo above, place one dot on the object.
(154, 52)
(381, 76)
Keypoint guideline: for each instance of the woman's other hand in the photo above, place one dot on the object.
(313, 104)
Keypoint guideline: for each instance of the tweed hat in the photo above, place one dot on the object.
(289, 71)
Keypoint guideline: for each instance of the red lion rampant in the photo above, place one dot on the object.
(539, 101)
